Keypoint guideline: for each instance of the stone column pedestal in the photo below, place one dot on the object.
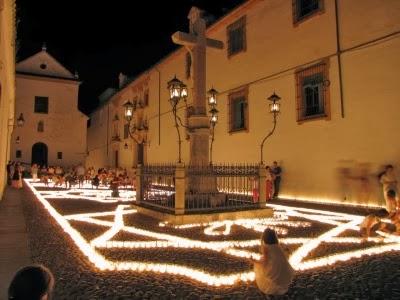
(199, 140)
(180, 187)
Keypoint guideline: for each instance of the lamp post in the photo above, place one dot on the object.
(177, 92)
(137, 131)
(20, 120)
(212, 102)
(274, 108)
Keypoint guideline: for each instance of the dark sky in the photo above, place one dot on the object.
(99, 39)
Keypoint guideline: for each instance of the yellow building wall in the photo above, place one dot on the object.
(64, 125)
(322, 160)
(7, 84)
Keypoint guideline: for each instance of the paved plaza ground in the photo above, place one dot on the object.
(124, 239)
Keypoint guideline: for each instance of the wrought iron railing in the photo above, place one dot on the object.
(221, 187)
(158, 186)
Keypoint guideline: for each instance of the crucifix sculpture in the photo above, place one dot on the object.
(196, 43)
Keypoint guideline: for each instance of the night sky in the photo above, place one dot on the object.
(99, 39)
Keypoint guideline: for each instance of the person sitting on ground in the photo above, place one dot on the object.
(33, 282)
(373, 223)
(273, 272)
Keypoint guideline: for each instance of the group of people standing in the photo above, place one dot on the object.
(273, 180)
(15, 171)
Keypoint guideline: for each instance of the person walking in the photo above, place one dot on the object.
(9, 175)
(16, 178)
(34, 172)
(277, 171)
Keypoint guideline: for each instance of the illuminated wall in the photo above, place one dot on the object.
(7, 83)
(64, 126)
(330, 159)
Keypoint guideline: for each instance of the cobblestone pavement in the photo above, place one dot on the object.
(368, 277)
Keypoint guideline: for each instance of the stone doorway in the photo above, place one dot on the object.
(39, 154)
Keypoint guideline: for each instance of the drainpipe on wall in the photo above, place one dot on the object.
(159, 105)
(339, 52)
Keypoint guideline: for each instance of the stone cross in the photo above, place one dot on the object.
(196, 42)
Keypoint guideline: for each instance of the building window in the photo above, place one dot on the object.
(238, 111)
(236, 33)
(303, 9)
(41, 105)
(126, 131)
(40, 126)
(146, 98)
(18, 154)
(59, 155)
(188, 64)
(312, 92)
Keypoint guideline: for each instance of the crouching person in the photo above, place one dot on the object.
(274, 273)
(370, 224)
(373, 223)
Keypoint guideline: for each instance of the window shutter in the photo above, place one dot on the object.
(229, 110)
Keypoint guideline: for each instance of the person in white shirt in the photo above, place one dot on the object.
(273, 272)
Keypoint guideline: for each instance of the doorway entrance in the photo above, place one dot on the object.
(39, 154)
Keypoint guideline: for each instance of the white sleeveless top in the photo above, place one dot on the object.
(274, 274)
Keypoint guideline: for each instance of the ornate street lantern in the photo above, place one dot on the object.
(20, 120)
(214, 116)
(184, 91)
(212, 102)
(274, 107)
(128, 110)
(175, 90)
(212, 97)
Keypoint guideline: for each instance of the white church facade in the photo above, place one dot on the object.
(54, 130)
(336, 69)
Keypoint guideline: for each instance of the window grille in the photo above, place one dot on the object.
(41, 105)
(238, 111)
(236, 33)
(312, 92)
(305, 8)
